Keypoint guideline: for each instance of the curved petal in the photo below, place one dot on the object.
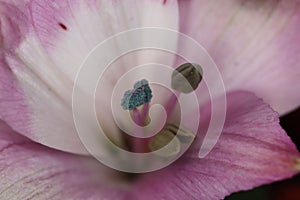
(32, 171)
(252, 150)
(13, 108)
(254, 44)
(11, 32)
(59, 35)
(12, 103)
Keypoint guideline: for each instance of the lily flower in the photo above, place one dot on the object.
(43, 45)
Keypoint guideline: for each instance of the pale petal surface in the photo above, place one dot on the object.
(254, 44)
(253, 150)
(58, 36)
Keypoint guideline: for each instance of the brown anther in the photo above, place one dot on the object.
(171, 135)
(187, 77)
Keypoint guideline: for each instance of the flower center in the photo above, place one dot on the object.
(185, 79)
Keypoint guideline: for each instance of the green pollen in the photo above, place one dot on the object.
(140, 95)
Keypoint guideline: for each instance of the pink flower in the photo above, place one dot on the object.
(43, 43)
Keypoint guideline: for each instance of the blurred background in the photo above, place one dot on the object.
(283, 190)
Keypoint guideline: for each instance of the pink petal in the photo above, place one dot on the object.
(253, 150)
(254, 43)
(13, 23)
(12, 102)
(46, 58)
(31, 171)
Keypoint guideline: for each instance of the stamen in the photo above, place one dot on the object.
(165, 137)
(187, 77)
(173, 100)
(183, 134)
(140, 95)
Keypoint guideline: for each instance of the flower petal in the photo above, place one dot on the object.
(45, 62)
(12, 102)
(252, 150)
(10, 16)
(254, 43)
(32, 171)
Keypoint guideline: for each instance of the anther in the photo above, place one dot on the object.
(171, 135)
(160, 140)
(187, 77)
(140, 95)
(183, 134)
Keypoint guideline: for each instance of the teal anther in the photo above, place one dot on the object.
(140, 95)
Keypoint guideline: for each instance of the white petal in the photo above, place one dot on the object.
(63, 34)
